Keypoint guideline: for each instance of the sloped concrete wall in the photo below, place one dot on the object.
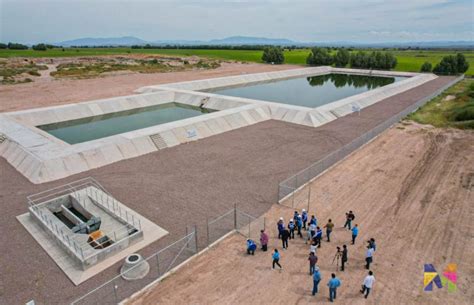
(41, 157)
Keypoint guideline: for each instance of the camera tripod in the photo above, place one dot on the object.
(336, 258)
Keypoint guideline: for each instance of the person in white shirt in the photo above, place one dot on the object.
(368, 257)
(312, 247)
(368, 284)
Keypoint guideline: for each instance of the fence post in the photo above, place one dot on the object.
(158, 260)
(186, 234)
(207, 226)
(235, 216)
(294, 192)
(264, 223)
(309, 197)
(115, 292)
(249, 226)
(196, 238)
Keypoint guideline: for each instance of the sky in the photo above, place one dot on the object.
(33, 21)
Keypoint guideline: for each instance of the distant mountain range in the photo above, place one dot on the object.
(244, 40)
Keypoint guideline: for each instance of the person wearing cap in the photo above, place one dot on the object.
(304, 218)
(291, 227)
(316, 279)
(263, 240)
(280, 226)
(299, 225)
(251, 247)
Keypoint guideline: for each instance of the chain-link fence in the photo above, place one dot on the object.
(291, 192)
(248, 225)
(220, 226)
(160, 263)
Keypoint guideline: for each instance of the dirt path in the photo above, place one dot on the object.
(49, 92)
(411, 189)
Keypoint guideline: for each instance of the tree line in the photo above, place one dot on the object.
(19, 46)
(342, 58)
(449, 65)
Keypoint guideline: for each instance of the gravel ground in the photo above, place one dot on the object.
(180, 186)
(52, 92)
(410, 189)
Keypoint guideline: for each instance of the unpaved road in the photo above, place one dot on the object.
(57, 92)
(411, 189)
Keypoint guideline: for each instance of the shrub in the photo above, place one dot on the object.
(426, 67)
(3, 45)
(462, 64)
(319, 57)
(470, 90)
(374, 60)
(341, 59)
(273, 55)
(451, 65)
(464, 113)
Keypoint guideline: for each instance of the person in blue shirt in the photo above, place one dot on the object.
(319, 236)
(251, 246)
(299, 225)
(295, 216)
(276, 259)
(333, 284)
(372, 244)
(313, 221)
(291, 228)
(316, 279)
(304, 218)
(280, 226)
(355, 232)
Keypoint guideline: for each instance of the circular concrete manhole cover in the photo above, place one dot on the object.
(135, 267)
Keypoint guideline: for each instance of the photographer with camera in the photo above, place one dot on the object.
(349, 218)
(344, 257)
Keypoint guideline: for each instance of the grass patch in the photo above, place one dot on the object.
(15, 73)
(457, 112)
(407, 60)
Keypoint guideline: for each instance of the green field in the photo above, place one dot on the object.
(453, 108)
(407, 60)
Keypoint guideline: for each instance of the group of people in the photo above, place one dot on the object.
(314, 235)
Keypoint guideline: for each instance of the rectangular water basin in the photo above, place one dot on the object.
(100, 126)
(311, 91)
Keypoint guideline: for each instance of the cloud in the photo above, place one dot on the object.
(302, 20)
